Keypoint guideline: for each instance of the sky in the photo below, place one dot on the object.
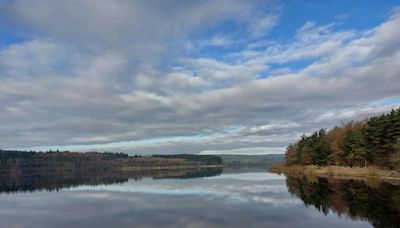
(208, 77)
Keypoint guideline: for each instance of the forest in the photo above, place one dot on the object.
(17, 161)
(374, 141)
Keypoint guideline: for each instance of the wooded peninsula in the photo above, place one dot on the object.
(17, 161)
(368, 148)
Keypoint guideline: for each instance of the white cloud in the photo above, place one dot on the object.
(248, 151)
(98, 82)
(263, 25)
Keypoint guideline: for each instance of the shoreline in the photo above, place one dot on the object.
(182, 167)
(126, 168)
(342, 172)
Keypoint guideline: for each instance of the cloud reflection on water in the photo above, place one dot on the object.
(229, 200)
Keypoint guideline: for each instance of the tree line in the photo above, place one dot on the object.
(12, 160)
(374, 141)
(53, 160)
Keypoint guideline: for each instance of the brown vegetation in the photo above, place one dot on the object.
(337, 171)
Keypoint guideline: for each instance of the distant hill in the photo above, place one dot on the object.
(251, 160)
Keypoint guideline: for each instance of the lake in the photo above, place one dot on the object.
(215, 198)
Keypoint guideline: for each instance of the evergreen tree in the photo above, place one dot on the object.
(375, 141)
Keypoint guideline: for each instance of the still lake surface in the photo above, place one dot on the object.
(229, 198)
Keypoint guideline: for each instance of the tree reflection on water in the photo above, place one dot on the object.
(33, 180)
(377, 202)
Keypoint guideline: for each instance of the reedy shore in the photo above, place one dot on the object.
(342, 172)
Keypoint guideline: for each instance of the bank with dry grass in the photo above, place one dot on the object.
(337, 171)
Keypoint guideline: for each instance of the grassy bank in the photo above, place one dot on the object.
(337, 171)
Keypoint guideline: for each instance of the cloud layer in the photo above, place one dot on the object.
(131, 76)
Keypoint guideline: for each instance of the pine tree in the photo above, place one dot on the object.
(374, 141)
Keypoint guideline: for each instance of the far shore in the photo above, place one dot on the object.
(175, 167)
(343, 172)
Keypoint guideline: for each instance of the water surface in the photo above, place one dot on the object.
(211, 199)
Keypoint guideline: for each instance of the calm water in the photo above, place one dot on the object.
(230, 199)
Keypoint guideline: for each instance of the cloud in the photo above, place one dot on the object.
(248, 151)
(121, 76)
(140, 29)
(263, 25)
